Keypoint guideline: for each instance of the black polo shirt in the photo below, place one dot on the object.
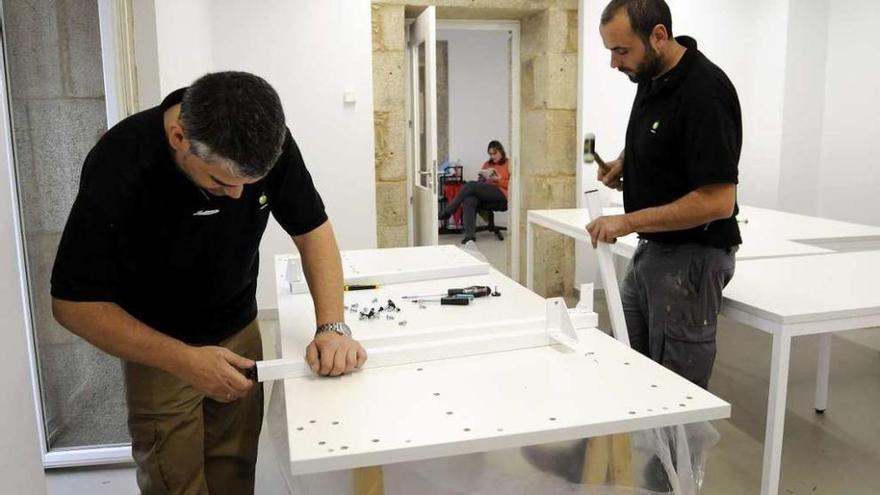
(685, 131)
(184, 262)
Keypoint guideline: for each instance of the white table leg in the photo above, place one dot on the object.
(775, 414)
(823, 369)
(530, 256)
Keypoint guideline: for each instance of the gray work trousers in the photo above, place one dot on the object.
(671, 297)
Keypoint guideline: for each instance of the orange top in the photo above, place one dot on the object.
(501, 180)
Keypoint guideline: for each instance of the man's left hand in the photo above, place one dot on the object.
(331, 354)
(608, 229)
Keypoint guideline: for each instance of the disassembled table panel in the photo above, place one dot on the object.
(591, 386)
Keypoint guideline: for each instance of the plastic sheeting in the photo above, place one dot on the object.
(664, 461)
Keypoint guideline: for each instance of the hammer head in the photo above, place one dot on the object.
(589, 148)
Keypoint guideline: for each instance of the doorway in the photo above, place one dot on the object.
(477, 101)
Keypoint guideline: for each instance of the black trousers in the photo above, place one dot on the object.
(471, 197)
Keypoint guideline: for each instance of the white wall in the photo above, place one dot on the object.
(311, 52)
(183, 38)
(479, 96)
(803, 110)
(21, 463)
(849, 182)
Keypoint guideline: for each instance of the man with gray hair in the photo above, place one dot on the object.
(678, 173)
(158, 265)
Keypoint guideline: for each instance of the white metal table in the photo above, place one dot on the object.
(463, 405)
(791, 297)
(775, 290)
(760, 239)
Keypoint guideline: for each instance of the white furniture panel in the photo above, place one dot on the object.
(467, 404)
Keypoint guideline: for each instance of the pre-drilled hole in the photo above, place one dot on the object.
(467, 429)
(344, 447)
(552, 419)
(632, 412)
(313, 421)
(436, 394)
(335, 423)
(321, 443)
(375, 440)
(449, 413)
(299, 428)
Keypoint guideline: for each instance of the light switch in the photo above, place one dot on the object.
(349, 97)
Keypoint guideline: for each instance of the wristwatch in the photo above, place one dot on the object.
(338, 327)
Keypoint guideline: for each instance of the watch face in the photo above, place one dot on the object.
(343, 329)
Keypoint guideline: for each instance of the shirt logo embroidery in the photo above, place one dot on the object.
(655, 127)
(205, 213)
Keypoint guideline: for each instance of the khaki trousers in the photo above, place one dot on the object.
(186, 444)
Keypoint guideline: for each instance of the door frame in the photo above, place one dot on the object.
(514, 147)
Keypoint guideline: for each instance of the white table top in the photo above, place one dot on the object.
(470, 404)
(807, 288)
(396, 265)
(763, 222)
(516, 304)
(768, 233)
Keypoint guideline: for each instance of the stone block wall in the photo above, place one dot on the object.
(389, 112)
(549, 60)
(548, 78)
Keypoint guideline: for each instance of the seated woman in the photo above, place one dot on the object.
(491, 189)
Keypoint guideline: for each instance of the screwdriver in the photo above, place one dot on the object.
(474, 291)
(456, 300)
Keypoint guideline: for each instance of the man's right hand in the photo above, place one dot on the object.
(610, 176)
(217, 373)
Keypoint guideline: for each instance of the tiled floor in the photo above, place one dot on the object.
(489, 246)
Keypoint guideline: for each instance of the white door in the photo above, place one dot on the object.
(423, 166)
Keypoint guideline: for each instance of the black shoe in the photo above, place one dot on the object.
(466, 239)
(656, 478)
(563, 459)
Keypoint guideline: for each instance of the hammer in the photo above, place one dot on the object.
(590, 154)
